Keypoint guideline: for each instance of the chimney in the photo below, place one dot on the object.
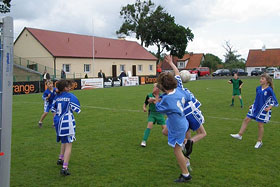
(263, 48)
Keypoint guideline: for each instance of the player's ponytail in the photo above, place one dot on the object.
(268, 79)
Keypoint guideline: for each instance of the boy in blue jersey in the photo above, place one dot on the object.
(192, 113)
(261, 109)
(48, 97)
(64, 105)
(172, 104)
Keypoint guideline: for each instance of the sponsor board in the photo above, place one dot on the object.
(276, 75)
(116, 83)
(150, 79)
(91, 83)
(26, 87)
(107, 84)
(76, 84)
(193, 77)
(142, 80)
(130, 81)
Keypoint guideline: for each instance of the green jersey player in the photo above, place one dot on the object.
(237, 85)
(154, 117)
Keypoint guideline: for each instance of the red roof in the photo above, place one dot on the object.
(194, 61)
(267, 58)
(61, 44)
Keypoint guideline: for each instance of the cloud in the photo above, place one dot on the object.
(69, 15)
(247, 24)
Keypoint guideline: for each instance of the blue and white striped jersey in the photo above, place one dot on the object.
(264, 98)
(192, 105)
(64, 105)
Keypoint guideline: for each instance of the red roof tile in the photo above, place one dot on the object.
(267, 58)
(194, 61)
(61, 44)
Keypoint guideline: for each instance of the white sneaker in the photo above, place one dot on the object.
(258, 144)
(143, 143)
(236, 136)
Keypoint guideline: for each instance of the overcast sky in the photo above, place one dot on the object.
(247, 24)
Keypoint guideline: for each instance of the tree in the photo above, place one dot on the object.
(155, 27)
(163, 32)
(211, 61)
(232, 59)
(134, 15)
(5, 7)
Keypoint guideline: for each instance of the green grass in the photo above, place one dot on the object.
(109, 131)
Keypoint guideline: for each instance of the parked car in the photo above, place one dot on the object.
(270, 71)
(256, 72)
(221, 72)
(240, 72)
(201, 71)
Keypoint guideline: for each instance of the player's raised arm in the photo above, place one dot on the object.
(168, 59)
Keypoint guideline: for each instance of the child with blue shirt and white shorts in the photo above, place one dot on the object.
(172, 104)
(64, 105)
(261, 109)
(48, 97)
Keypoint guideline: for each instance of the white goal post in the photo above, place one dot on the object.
(6, 87)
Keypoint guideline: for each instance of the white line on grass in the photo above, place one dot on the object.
(131, 110)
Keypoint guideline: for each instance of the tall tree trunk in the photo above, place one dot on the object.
(158, 53)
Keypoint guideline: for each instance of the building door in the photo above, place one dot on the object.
(114, 70)
(133, 70)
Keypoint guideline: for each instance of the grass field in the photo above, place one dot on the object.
(109, 131)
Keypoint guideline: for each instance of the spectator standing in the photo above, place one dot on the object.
(63, 74)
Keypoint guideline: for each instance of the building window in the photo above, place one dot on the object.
(181, 64)
(66, 68)
(140, 67)
(86, 68)
(122, 67)
(151, 67)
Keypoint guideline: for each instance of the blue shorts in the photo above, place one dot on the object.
(195, 119)
(47, 106)
(66, 139)
(177, 135)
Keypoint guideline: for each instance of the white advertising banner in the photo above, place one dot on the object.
(277, 75)
(130, 81)
(91, 83)
(193, 77)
